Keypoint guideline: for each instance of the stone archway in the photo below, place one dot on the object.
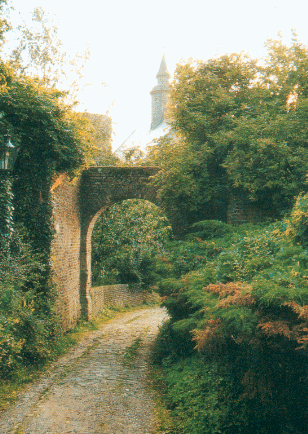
(77, 207)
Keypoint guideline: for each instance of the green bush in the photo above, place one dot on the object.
(209, 229)
(244, 307)
(27, 323)
(298, 221)
(125, 241)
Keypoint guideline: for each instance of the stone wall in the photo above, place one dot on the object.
(65, 251)
(116, 296)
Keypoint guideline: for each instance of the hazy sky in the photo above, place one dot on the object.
(127, 39)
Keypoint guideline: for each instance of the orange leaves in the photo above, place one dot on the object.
(296, 308)
(303, 315)
(296, 330)
(206, 337)
(223, 289)
(272, 328)
(231, 294)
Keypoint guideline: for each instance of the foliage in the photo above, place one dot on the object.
(205, 408)
(240, 299)
(40, 54)
(124, 242)
(6, 210)
(27, 326)
(298, 222)
(102, 126)
(51, 139)
(237, 127)
(4, 23)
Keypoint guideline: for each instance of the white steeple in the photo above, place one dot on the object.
(159, 95)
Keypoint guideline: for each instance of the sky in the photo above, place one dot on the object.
(127, 39)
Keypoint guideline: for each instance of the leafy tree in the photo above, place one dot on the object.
(4, 23)
(238, 128)
(125, 241)
(40, 54)
(102, 126)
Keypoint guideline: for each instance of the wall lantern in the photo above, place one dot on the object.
(8, 153)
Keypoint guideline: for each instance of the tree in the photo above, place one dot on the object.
(238, 127)
(124, 242)
(102, 126)
(4, 23)
(40, 54)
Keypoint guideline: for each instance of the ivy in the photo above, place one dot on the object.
(6, 209)
(51, 139)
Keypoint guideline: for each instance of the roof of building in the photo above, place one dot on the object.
(143, 138)
(163, 71)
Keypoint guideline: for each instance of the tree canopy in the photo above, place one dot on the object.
(238, 126)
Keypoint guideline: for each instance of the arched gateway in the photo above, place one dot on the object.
(77, 206)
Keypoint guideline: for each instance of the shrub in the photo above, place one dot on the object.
(27, 323)
(298, 221)
(245, 307)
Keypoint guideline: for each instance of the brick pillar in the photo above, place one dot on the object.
(85, 266)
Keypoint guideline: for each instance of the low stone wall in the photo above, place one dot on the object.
(117, 296)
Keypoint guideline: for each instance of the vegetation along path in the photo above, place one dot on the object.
(99, 387)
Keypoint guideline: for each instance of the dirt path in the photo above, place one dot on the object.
(96, 388)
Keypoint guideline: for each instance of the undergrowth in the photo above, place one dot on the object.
(233, 358)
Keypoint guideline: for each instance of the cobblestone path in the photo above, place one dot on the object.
(92, 390)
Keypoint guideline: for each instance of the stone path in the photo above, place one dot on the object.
(93, 389)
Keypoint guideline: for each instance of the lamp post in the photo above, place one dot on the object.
(8, 154)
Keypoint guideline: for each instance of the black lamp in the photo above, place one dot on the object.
(8, 153)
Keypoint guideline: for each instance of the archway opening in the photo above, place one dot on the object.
(125, 240)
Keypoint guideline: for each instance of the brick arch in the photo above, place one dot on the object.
(101, 187)
(77, 207)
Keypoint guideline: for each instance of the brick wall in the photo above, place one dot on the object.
(241, 211)
(65, 252)
(117, 296)
(101, 187)
(77, 205)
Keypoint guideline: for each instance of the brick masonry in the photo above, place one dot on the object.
(116, 296)
(65, 257)
(77, 206)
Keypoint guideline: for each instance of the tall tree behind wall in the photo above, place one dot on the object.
(238, 127)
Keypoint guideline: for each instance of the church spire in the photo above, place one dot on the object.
(163, 73)
(160, 94)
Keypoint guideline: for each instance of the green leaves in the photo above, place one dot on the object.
(237, 126)
(125, 241)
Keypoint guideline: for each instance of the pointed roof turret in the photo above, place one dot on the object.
(160, 94)
(163, 71)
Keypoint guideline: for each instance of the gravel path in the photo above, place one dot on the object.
(94, 389)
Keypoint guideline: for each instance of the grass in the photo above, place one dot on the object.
(164, 423)
(12, 387)
(132, 352)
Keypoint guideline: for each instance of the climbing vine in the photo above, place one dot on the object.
(6, 210)
(51, 139)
